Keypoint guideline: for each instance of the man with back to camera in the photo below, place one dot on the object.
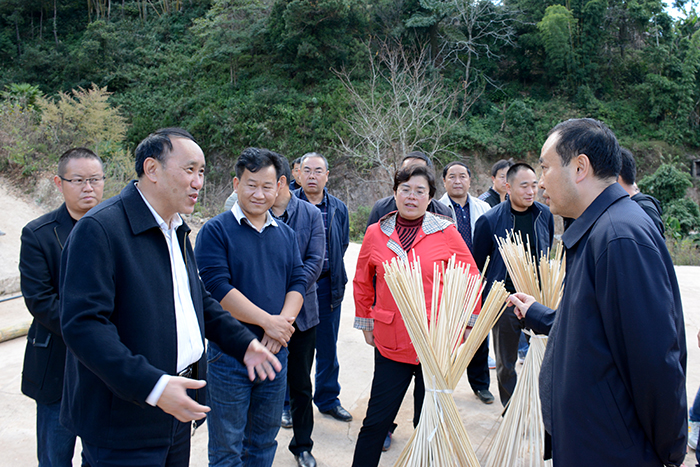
(522, 214)
(497, 193)
(134, 315)
(386, 205)
(262, 285)
(465, 210)
(612, 382)
(307, 223)
(80, 179)
(331, 283)
(626, 179)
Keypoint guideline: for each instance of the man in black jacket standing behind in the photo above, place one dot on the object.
(80, 180)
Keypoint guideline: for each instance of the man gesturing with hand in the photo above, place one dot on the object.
(134, 314)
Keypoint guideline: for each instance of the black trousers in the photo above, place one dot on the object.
(301, 356)
(177, 454)
(506, 335)
(389, 385)
(478, 369)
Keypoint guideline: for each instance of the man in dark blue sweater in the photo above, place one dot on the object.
(251, 264)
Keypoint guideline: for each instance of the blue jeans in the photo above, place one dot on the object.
(695, 409)
(54, 443)
(245, 415)
(523, 345)
(327, 367)
(694, 416)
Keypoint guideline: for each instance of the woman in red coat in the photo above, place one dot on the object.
(434, 239)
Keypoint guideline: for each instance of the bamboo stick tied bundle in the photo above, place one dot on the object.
(440, 438)
(520, 437)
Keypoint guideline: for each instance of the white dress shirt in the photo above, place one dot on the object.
(190, 345)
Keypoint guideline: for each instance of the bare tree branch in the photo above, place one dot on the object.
(404, 106)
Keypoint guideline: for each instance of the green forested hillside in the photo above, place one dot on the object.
(363, 80)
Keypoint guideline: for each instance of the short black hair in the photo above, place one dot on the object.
(515, 168)
(75, 153)
(296, 161)
(452, 164)
(314, 154)
(592, 138)
(628, 169)
(157, 145)
(418, 155)
(286, 169)
(255, 159)
(405, 175)
(502, 164)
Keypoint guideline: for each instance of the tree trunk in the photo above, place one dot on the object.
(55, 30)
(19, 44)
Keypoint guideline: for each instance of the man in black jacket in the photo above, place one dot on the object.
(497, 193)
(134, 315)
(522, 214)
(626, 179)
(80, 180)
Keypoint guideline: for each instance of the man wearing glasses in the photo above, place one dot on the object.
(80, 180)
(313, 176)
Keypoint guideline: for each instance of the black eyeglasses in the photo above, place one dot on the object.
(82, 181)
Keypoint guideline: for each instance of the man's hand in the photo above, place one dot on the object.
(271, 344)
(369, 337)
(521, 302)
(261, 361)
(175, 401)
(279, 328)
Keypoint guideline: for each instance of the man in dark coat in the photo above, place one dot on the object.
(80, 180)
(134, 315)
(612, 382)
(497, 193)
(627, 180)
(307, 223)
(331, 283)
(533, 221)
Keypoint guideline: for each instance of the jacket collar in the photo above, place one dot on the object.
(292, 204)
(64, 224)
(589, 217)
(137, 213)
(431, 224)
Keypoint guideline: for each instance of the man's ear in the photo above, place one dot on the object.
(150, 168)
(236, 181)
(583, 167)
(57, 182)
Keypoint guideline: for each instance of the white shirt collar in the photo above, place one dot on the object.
(239, 215)
(177, 222)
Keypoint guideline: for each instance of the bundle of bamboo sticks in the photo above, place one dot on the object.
(440, 438)
(520, 437)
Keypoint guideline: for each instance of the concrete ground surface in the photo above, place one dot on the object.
(334, 441)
